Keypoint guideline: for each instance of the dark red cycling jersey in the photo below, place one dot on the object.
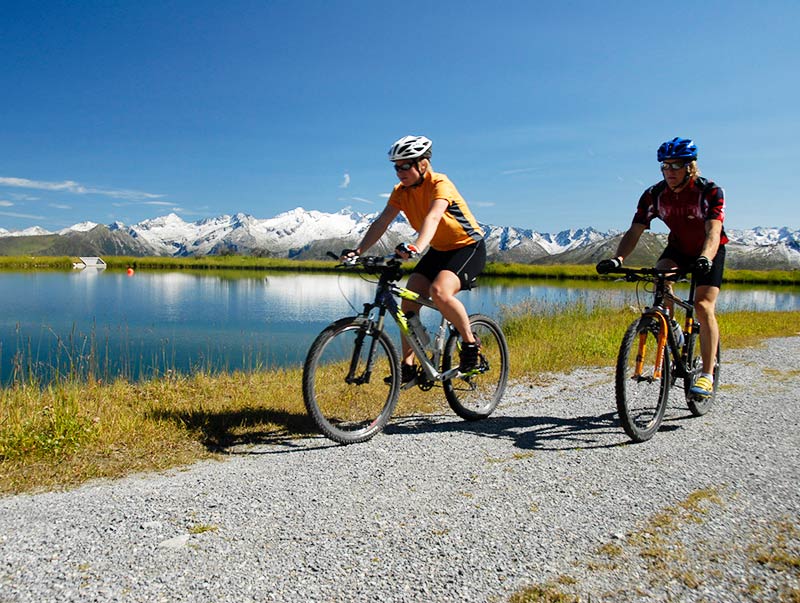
(685, 212)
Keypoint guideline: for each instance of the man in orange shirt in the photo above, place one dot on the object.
(457, 253)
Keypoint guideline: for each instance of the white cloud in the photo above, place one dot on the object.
(59, 206)
(520, 171)
(13, 215)
(75, 188)
(5, 203)
(362, 200)
(129, 203)
(346, 181)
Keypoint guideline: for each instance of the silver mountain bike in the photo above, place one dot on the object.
(352, 373)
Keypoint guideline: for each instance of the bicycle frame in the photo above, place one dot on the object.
(666, 338)
(387, 291)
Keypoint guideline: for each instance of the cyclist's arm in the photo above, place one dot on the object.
(711, 244)
(431, 223)
(377, 228)
(629, 240)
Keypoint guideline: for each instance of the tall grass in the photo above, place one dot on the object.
(81, 428)
(35, 263)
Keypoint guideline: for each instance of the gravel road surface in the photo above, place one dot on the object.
(547, 495)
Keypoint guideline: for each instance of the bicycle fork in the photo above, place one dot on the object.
(661, 349)
(351, 378)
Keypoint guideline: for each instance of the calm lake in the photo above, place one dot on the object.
(113, 324)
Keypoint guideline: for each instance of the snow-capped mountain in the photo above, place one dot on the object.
(287, 234)
(300, 233)
(33, 231)
(81, 227)
(765, 237)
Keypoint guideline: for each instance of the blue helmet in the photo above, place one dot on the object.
(678, 148)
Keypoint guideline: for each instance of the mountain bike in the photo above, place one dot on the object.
(352, 374)
(652, 357)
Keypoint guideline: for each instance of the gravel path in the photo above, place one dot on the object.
(546, 493)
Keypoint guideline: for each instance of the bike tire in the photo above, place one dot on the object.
(699, 406)
(476, 396)
(641, 400)
(349, 413)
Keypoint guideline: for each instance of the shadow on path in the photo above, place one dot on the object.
(240, 432)
(528, 433)
(226, 432)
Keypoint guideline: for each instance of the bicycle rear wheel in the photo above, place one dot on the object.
(344, 386)
(641, 396)
(699, 406)
(476, 396)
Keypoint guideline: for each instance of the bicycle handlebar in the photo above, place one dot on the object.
(372, 264)
(651, 274)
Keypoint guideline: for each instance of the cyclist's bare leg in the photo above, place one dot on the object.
(705, 300)
(418, 284)
(443, 293)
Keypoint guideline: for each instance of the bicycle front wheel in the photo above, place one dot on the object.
(476, 396)
(351, 380)
(641, 393)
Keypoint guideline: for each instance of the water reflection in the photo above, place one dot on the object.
(107, 322)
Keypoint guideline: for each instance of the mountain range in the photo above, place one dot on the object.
(304, 234)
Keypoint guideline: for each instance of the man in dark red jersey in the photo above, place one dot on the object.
(693, 208)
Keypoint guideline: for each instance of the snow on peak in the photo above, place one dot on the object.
(80, 227)
(33, 231)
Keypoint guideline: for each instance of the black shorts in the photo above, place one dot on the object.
(712, 279)
(466, 262)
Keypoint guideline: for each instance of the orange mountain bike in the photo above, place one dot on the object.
(655, 353)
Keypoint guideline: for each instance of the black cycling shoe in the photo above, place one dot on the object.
(470, 357)
(408, 373)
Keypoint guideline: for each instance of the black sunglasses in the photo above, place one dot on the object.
(403, 167)
(666, 165)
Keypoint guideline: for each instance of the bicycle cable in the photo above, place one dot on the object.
(344, 295)
(364, 278)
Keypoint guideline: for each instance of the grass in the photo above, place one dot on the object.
(72, 431)
(660, 548)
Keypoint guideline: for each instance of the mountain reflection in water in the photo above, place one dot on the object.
(110, 323)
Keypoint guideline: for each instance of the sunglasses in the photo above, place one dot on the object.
(678, 165)
(403, 167)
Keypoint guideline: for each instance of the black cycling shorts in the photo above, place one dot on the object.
(466, 262)
(685, 262)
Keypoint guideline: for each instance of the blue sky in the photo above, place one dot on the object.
(546, 115)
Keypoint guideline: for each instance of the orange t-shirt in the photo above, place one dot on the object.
(457, 228)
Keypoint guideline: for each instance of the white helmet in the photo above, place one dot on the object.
(410, 147)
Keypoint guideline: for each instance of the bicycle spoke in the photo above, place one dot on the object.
(642, 386)
(344, 385)
(476, 395)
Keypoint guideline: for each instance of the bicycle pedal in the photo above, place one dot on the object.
(451, 374)
(408, 384)
(471, 373)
